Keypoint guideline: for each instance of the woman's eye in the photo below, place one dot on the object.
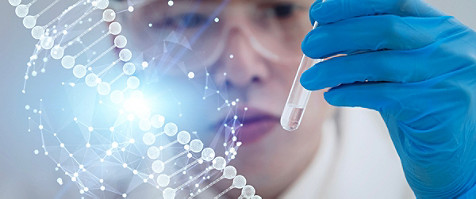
(283, 10)
(187, 20)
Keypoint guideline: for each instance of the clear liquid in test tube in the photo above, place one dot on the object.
(298, 97)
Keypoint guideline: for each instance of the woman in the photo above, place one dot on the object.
(408, 66)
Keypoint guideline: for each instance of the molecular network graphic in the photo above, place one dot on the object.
(107, 116)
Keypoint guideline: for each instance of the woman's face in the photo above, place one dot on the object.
(251, 49)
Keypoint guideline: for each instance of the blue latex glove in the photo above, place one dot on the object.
(421, 72)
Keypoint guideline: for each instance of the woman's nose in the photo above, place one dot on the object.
(243, 64)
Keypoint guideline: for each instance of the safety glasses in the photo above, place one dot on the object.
(192, 35)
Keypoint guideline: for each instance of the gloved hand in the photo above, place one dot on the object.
(415, 66)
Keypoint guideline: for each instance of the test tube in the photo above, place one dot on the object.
(298, 97)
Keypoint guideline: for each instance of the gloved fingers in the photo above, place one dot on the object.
(372, 95)
(331, 11)
(373, 33)
(315, 3)
(388, 66)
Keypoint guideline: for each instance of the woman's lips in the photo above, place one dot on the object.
(256, 128)
(256, 124)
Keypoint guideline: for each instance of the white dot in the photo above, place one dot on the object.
(129, 68)
(219, 163)
(108, 15)
(157, 121)
(27, 107)
(59, 181)
(169, 193)
(47, 42)
(79, 71)
(229, 172)
(232, 56)
(145, 64)
(171, 3)
(130, 9)
(29, 22)
(115, 145)
(37, 32)
(163, 180)
(158, 166)
(239, 181)
(170, 129)
(101, 4)
(196, 145)
(148, 138)
(133, 82)
(191, 75)
(14, 2)
(104, 88)
(153, 152)
(125, 55)
(115, 28)
(57, 52)
(183, 137)
(103, 188)
(208, 154)
(22, 10)
(40, 127)
(68, 62)
(91, 80)
(120, 41)
(248, 191)
(217, 19)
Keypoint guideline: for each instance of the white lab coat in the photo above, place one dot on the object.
(361, 163)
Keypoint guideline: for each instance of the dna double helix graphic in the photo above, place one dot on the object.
(100, 127)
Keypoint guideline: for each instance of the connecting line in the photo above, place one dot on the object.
(47, 8)
(108, 67)
(223, 192)
(41, 123)
(206, 187)
(175, 157)
(75, 22)
(168, 145)
(116, 78)
(193, 179)
(63, 13)
(183, 168)
(93, 44)
(32, 2)
(84, 33)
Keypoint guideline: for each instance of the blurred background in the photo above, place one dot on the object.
(26, 175)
